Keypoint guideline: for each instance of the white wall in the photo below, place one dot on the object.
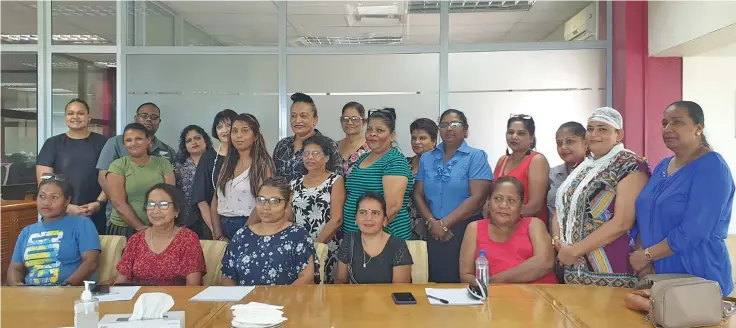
(711, 82)
(688, 28)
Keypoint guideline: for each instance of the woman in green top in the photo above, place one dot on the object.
(383, 170)
(129, 178)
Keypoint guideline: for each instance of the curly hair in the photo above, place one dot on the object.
(183, 153)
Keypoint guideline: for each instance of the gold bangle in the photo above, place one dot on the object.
(554, 240)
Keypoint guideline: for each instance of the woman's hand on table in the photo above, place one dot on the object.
(567, 254)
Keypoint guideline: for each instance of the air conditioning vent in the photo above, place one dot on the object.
(584, 25)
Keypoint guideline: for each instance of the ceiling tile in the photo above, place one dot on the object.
(486, 18)
(318, 31)
(231, 7)
(318, 20)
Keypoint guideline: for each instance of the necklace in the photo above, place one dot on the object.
(153, 247)
(369, 259)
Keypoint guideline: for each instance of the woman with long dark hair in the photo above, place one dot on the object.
(193, 142)
(244, 169)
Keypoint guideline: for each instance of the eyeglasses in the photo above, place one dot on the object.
(378, 111)
(521, 116)
(312, 154)
(273, 201)
(450, 125)
(354, 119)
(52, 176)
(162, 205)
(195, 138)
(152, 117)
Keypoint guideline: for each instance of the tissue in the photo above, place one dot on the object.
(256, 314)
(151, 306)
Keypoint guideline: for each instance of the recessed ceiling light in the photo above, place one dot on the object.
(462, 6)
(70, 38)
(343, 40)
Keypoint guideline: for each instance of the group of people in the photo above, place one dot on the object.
(600, 218)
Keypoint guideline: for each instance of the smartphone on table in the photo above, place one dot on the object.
(403, 298)
(100, 289)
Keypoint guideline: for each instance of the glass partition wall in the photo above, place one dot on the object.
(195, 58)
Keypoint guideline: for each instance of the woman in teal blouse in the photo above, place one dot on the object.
(383, 170)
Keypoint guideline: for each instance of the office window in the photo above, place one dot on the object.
(18, 24)
(83, 22)
(90, 77)
(408, 83)
(19, 124)
(191, 89)
(554, 87)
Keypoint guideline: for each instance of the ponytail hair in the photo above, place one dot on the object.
(261, 164)
(696, 114)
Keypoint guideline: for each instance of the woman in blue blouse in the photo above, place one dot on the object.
(273, 251)
(451, 187)
(683, 213)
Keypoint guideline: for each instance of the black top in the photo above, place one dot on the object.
(203, 188)
(77, 160)
(378, 269)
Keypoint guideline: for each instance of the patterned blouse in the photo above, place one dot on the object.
(168, 268)
(349, 162)
(184, 173)
(608, 265)
(277, 259)
(290, 164)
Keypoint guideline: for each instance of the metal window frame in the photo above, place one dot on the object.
(121, 49)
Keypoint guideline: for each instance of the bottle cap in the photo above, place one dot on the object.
(483, 252)
(87, 294)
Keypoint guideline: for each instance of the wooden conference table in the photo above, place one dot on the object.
(357, 306)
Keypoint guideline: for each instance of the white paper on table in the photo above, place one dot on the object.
(454, 296)
(119, 293)
(222, 294)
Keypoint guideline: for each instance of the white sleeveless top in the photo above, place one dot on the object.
(238, 200)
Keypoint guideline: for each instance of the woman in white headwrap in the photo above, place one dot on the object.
(595, 207)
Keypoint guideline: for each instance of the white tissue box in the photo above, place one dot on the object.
(174, 319)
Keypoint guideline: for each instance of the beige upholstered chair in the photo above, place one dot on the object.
(112, 252)
(420, 269)
(322, 251)
(213, 251)
(731, 245)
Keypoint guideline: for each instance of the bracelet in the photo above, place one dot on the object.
(444, 228)
(555, 239)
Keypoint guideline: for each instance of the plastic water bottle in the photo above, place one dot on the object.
(481, 268)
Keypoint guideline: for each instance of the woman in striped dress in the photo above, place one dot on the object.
(383, 170)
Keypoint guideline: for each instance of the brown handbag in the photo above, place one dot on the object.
(687, 303)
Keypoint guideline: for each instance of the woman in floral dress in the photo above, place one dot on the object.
(318, 199)
(273, 251)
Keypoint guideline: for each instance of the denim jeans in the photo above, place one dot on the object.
(231, 225)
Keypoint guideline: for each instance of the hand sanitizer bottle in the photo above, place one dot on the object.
(86, 309)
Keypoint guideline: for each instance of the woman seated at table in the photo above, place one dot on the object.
(372, 256)
(518, 248)
(273, 251)
(61, 249)
(164, 254)
(683, 213)
(128, 179)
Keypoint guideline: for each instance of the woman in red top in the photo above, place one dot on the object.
(163, 254)
(519, 250)
(530, 167)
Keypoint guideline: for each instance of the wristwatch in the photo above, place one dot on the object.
(443, 226)
(647, 255)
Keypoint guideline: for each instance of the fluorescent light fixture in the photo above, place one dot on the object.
(24, 109)
(81, 10)
(18, 84)
(73, 64)
(70, 38)
(343, 40)
(377, 10)
(462, 6)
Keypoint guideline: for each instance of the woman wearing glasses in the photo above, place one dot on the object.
(354, 145)
(246, 166)
(371, 256)
(384, 170)
(318, 199)
(75, 154)
(526, 165)
(208, 169)
(61, 249)
(452, 185)
(166, 254)
(130, 177)
(273, 251)
(193, 142)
